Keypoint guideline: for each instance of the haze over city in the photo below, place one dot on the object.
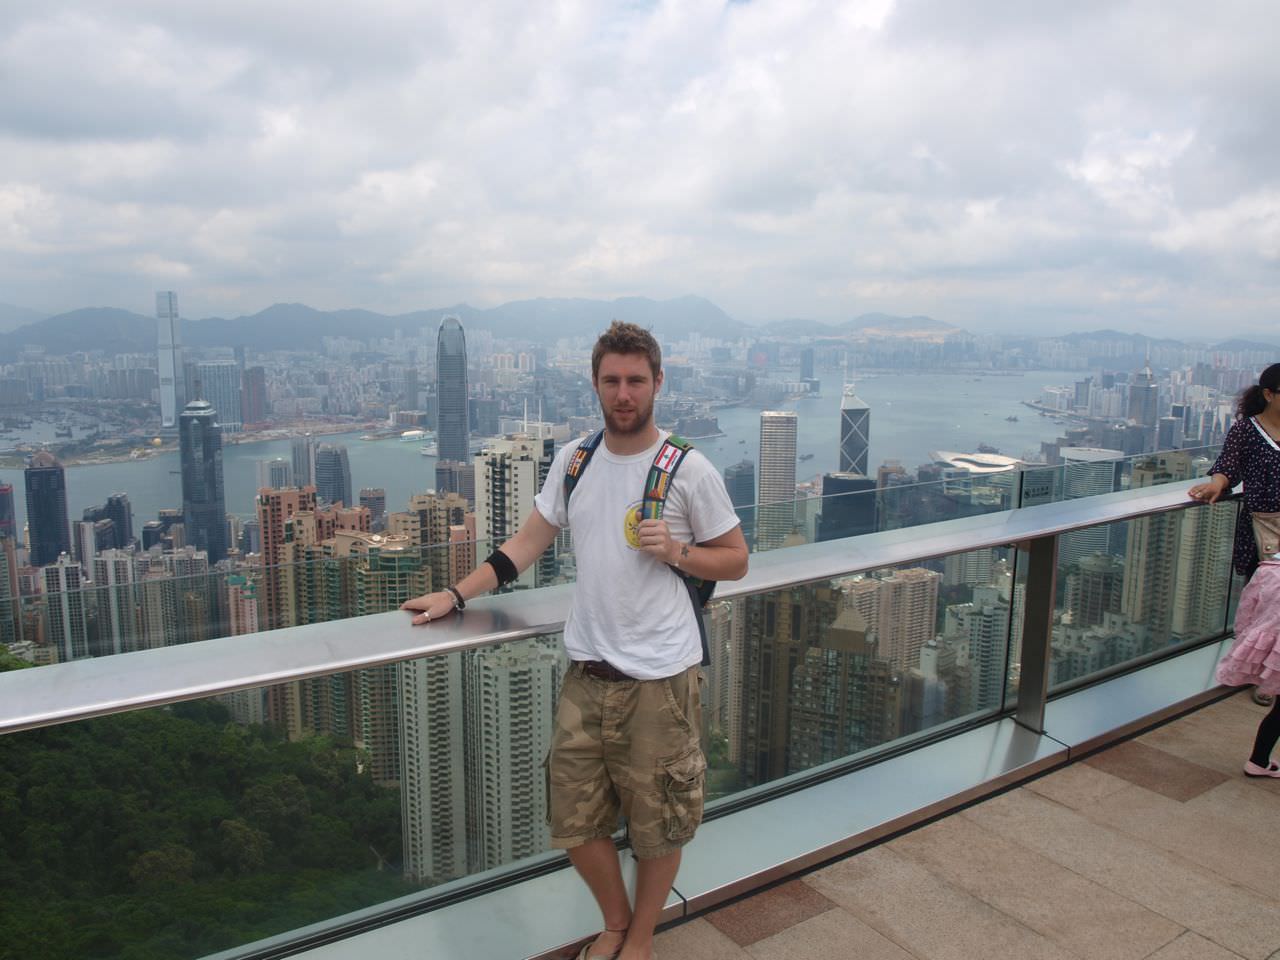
(998, 167)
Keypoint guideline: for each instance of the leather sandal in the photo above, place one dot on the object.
(586, 954)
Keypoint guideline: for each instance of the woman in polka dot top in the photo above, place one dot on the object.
(1251, 453)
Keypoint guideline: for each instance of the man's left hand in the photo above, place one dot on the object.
(655, 540)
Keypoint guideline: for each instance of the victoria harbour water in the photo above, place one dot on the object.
(911, 416)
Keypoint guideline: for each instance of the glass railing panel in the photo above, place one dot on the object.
(1088, 472)
(1128, 590)
(143, 601)
(816, 675)
(182, 831)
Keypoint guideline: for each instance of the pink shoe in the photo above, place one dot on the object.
(1251, 769)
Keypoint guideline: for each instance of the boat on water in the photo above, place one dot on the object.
(1012, 419)
(430, 450)
(415, 436)
(806, 456)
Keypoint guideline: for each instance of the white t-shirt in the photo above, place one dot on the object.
(629, 608)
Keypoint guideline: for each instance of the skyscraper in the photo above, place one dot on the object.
(333, 475)
(740, 481)
(304, 460)
(848, 506)
(855, 432)
(8, 521)
(169, 355)
(275, 474)
(220, 385)
(452, 427)
(777, 477)
(375, 498)
(509, 474)
(253, 401)
(204, 511)
(49, 532)
(120, 512)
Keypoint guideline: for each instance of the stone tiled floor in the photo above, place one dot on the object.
(1156, 848)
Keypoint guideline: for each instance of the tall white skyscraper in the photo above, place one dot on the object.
(777, 477)
(169, 355)
(855, 432)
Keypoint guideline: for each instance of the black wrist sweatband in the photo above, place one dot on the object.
(503, 567)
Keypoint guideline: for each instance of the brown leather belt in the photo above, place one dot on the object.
(603, 671)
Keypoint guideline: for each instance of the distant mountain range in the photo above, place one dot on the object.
(286, 326)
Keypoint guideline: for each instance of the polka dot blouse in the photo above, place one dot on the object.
(1250, 457)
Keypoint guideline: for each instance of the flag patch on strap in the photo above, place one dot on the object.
(666, 457)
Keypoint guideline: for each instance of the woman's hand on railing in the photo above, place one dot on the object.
(1210, 491)
(429, 607)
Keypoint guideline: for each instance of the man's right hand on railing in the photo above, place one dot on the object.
(1210, 492)
(430, 606)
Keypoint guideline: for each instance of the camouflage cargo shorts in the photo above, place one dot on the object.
(628, 747)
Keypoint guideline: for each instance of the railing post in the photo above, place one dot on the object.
(1037, 630)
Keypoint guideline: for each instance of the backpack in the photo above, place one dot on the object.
(662, 473)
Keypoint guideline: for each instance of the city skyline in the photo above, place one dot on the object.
(1001, 172)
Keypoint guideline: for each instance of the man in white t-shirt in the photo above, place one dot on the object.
(628, 722)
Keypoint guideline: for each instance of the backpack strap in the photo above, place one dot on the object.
(662, 475)
(578, 463)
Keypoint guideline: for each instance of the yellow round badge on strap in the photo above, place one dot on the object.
(631, 524)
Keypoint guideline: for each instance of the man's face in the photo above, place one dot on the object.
(626, 389)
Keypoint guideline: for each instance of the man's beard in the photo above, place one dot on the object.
(643, 417)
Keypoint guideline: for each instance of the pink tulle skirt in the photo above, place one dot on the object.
(1254, 659)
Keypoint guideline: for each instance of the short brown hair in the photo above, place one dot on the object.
(626, 338)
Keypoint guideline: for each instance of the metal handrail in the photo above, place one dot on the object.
(81, 689)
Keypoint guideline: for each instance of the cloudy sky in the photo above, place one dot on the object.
(1001, 164)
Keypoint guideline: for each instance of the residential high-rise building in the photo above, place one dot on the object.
(10, 598)
(275, 474)
(1093, 589)
(387, 573)
(433, 805)
(776, 500)
(49, 532)
(220, 385)
(1152, 550)
(304, 460)
(509, 474)
(453, 436)
(8, 518)
(277, 511)
(902, 609)
(510, 694)
(375, 498)
(169, 357)
(333, 475)
(253, 401)
(740, 481)
(113, 577)
(68, 626)
(204, 511)
(855, 433)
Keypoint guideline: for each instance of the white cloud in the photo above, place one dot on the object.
(1090, 163)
